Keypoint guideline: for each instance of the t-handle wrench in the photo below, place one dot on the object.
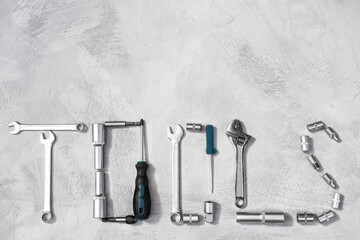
(239, 140)
(175, 137)
(47, 142)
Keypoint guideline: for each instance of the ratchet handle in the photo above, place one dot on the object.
(142, 199)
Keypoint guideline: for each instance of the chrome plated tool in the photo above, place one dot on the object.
(18, 127)
(239, 141)
(47, 214)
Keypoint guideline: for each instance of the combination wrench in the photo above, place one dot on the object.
(47, 142)
(175, 137)
(18, 127)
(239, 141)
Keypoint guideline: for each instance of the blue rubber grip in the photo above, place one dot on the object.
(210, 140)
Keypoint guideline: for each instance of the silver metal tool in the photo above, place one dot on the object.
(337, 200)
(305, 143)
(316, 126)
(175, 137)
(329, 180)
(47, 215)
(305, 217)
(209, 211)
(332, 134)
(263, 217)
(18, 127)
(314, 162)
(239, 141)
(194, 127)
(326, 216)
(99, 200)
(190, 218)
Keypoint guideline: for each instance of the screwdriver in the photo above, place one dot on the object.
(210, 150)
(142, 200)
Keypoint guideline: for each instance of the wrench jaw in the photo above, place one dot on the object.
(176, 218)
(16, 126)
(49, 140)
(175, 135)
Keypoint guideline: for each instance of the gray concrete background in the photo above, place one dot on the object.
(275, 65)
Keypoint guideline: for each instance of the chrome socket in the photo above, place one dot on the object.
(263, 217)
(332, 134)
(99, 207)
(194, 127)
(316, 126)
(314, 162)
(305, 217)
(337, 201)
(209, 211)
(305, 143)
(190, 218)
(326, 216)
(329, 180)
(99, 183)
(98, 139)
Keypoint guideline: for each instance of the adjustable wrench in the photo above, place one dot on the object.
(47, 142)
(18, 127)
(239, 141)
(175, 137)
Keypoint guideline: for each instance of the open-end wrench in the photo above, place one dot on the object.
(175, 137)
(18, 127)
(47, 142)
(239, 141)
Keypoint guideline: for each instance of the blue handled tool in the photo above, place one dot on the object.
(210, 150)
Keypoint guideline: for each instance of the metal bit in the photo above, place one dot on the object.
(332, 134)
(316, 126)
(305, 143)
(326, 217)
(194, 127)
(314, 162)
(337, 201)
(305, 217)
(329, 180)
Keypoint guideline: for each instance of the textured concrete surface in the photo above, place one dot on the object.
(275, 65)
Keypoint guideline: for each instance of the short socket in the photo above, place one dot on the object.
(332, 134)
(305, 217)
(314, 162)
(271, 217)
(99, 183)
(98, 134)
(329, 180)
(316, 126)
(190, 218)
(194, 127)
(99, 207)
(99, 157)
(209, 211)
(326, 217)
(337, 201)
(305, 143)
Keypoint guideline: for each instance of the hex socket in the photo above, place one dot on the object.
(329, 180)
(99, 183)
(99, 207)
(314, 162)
(326, 217)
(305, 143)
(337, 200)
(194, 127)
(209, 211)
(190, 218)
(98, 134)
(305, 217)
(316, 126)
(271, 217)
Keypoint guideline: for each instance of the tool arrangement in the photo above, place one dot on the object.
(306, 148)
(47, 215)
(142, 198)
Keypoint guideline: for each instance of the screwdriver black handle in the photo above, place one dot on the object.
(142, 200)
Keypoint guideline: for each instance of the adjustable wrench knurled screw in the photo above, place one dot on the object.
(175, 137)
(47, 142)
(239, 141)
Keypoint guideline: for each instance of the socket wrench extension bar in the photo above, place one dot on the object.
(263, 217)
(99, 200)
